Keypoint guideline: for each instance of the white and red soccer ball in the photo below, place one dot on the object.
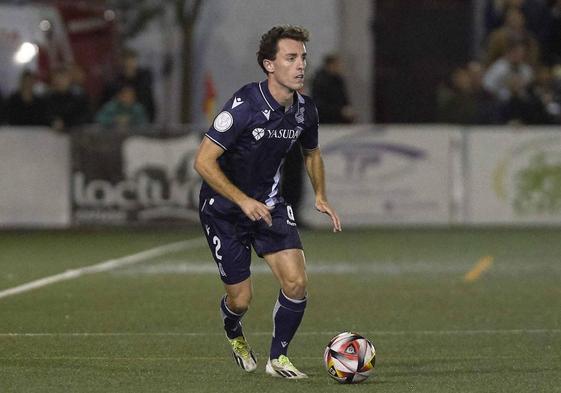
(349, 358)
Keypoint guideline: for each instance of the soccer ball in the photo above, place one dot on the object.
(349, 358)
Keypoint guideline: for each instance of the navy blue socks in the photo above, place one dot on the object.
(232, 324)
(287, 315)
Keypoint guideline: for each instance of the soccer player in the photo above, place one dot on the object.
(240, 160)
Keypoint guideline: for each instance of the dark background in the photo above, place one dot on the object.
(418, 43)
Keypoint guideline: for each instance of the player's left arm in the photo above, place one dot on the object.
(316, 172)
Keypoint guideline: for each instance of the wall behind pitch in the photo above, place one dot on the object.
(376, 175)
(34, 177)
(226, 38)
(228, 34)
(513, 177)
(391, 175)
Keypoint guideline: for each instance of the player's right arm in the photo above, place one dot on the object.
(206, 164)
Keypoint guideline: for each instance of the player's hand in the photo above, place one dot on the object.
(324, 207)
(256, 211)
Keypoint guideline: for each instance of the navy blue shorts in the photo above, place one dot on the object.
(230, 235)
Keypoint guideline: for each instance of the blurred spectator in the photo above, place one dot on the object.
(463, 100)
(77, 79)
(533, 10)
(330, 93)
(556, 82)
(123, 110)
(486, 110)
(513, 30)
(25, 107)
(134, 75)
(509, 74)
(522, 107)
(552, 36)
(495, 11)
(66, 107)
(456, 100)
(548, 101)
(523, 97)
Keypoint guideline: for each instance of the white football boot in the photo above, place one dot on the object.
(283, 368)
(243, 355)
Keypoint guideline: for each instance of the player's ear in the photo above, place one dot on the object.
(268, 64)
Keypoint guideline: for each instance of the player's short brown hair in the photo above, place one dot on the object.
(268, 47)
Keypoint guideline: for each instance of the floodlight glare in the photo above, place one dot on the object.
(26, 52)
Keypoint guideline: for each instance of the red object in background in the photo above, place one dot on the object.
(209, 98)
(93, 35)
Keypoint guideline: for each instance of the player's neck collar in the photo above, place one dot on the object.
(267, 96)
(272, 103)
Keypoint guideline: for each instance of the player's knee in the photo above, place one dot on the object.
(239, 303)
(295, 288)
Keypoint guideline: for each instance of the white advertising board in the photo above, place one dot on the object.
(392, 175)
(514, 176)
(386, 175)
(163, 169)
(34, 174)
(147, 179)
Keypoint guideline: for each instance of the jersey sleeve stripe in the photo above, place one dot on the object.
(215, 141)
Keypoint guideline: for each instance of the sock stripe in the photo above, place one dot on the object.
(296, 301)
(275, 311)
(227, 309)
(232, 321)
(291, 304)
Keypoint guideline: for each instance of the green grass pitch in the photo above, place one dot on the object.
(154, 326)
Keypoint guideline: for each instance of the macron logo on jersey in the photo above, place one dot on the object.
(237, 102)
(266, 113)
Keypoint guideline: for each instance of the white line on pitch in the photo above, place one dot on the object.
(316, 267)
(228, 358)
(104, 266)
(362, 267)
(304, 333)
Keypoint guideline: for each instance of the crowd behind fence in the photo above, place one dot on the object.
(517, 77)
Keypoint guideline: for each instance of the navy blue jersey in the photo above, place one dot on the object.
(256, 132)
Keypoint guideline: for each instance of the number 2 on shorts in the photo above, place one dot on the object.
(216, 242)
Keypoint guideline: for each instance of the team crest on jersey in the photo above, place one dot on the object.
(258, 133)
(223, 122)
(300, 115)
(266, 113)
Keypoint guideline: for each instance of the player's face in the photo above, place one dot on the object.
(289, 65)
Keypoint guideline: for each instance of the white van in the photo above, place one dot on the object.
(31, 37)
